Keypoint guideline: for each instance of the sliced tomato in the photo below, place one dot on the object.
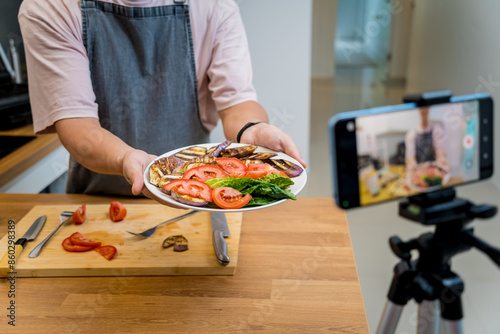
(258, 170)
(107, 251)
(80, 215)
(229, 198)
(79, 239)
(117, 211)
(232, 166)
(193, 188)
(204, 173)
(67, 245)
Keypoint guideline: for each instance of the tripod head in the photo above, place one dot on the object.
(450, 215)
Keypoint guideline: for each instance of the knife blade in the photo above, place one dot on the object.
(19, 245)
(220, 230)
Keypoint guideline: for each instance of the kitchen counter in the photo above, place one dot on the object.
(19, 161)
(295, 273)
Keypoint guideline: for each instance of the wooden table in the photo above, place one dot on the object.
(296, 274)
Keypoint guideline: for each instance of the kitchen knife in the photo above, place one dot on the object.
(19, 245)
(220, 230)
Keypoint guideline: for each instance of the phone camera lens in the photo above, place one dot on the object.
(485, 156)
(485, 121)
(350, 126)
(485, 138)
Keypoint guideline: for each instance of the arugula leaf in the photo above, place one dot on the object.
(264, 190)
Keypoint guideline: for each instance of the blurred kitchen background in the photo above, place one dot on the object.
(313, 59)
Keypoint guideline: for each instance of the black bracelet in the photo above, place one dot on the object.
(246, 126)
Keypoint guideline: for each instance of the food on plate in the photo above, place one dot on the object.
(204, 173)
(107, 251)
(221, 162)
(162, 170)
(232, 166)
(117, 212)
(179, 242)
(230, 198)
(238, 152)
(191, 192)
(78, 242)
(426, 176)
(287, 167)
(80, 215)
(191, 153)
(216, 150)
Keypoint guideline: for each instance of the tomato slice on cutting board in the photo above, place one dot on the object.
(204, 173)
(232, 166)
(229, 198)
(107, 251)
(67, 245)
(80, 215)
(117, 211)
(80, 240)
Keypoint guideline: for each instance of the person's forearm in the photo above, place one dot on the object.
(235, 117)
(92, 146)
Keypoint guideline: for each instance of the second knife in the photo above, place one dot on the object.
(220, 230)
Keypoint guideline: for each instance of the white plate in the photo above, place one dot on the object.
(300, 181)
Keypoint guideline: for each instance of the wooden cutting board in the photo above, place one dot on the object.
(136, 256)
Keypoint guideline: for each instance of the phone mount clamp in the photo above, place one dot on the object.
(429, 279)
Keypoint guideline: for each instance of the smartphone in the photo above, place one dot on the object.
(385, 153)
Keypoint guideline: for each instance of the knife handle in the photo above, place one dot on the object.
(5, 267)
(220, 247)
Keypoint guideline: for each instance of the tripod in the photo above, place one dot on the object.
(429, 279)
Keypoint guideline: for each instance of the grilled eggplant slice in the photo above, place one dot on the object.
(216, 150)
(163, 167)
(238, 152)
(205, 160)
(287, 167)
(191, 153)
(260, 156)
(186, 199)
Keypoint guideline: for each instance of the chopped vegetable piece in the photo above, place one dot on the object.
(79, 239)
(117, 211)
(67, 245)
(179, 242)
(229, 198)
(80, 215)
(107, 251)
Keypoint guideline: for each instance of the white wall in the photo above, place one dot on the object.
(323, 38)
(455, 45)
(279, 35)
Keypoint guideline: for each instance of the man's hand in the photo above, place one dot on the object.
(270, 136)
(262, 134)
(134, 164)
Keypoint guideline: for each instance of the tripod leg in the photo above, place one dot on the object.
(452, 326)
(428, 317)
(390, 317)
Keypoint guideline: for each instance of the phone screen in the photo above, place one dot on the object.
(407, 152)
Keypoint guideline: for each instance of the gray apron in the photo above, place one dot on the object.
(143, 74)
(425, 147)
